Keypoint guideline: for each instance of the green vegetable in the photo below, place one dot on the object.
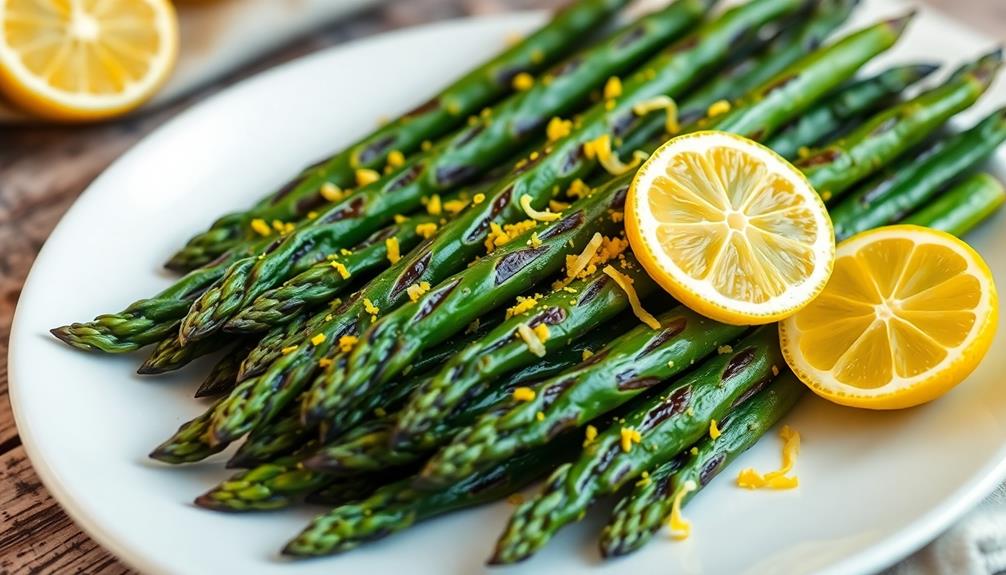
(911, 182)
(644, 510)
(473, 151)
(439, 115)
(667, 422)
(960, 209)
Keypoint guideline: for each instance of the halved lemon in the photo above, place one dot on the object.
(729, 228)
(908, 314)
(85, 59)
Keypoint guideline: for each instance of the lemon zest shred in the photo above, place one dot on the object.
(434, 207)
(396, 158)
(751, 479)
(628, 437)
(394, 250)
(665, 103)
(600, 149)
(718, 108)
(369, 307)
(341, 269)
(714, 430)
(541, 330)
(400, 219)
(557, 206)
(612, 88)
(644, 479)
(523, 82)
(324, 362)
(546, 216)
(589, 435)
(586, 354)
(575, 265)
(724, 349)
(524, 304)
(679, 526)
(625, 283)
(478, 198)
(540, 416)
(347, 342)
(534, 345)
(259, 226)
(426, 230)
(534, 241)
(331, 192)
(454, 206)
(416, 290)
(365, 177)
(288, 349)
(578, 189)
(318, 339)
(523, 394)
(558, 129)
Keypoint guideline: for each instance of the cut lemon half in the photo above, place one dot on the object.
(729, 228)
(85, 59)
(908, 314)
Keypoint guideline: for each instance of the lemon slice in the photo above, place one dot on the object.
(908, 314)
(729, 228)
(85, 59)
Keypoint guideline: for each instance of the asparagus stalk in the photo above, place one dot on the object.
(390, 344)
(223, 377)
(641, 513)
(189, 444)
(257, 400)
(666, 424)
(471, 152)
(850, 102)
(399, 506)
(439, 115)
(833, 169)
(915, 180)
(964, 206)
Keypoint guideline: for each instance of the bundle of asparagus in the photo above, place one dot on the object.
(372, 366)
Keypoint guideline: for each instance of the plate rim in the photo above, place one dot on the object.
(879, 555)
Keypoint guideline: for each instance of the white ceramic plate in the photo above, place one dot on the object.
(873, 486)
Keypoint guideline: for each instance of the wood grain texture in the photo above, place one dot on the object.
(43, 170)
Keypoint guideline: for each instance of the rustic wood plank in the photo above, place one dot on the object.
(36, 536)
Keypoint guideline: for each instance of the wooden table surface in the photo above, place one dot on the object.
(42, 171)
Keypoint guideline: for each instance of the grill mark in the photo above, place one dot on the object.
(825, 156)
(779, 84)
(737, 364)
(631, 37)
(571, 160)
(592, 290)
(512, 263)
(499, 204)
(505, 76)
(562, 226)
(427, 106)
(302, 249)
(626, 375)
(622, 123)
(412, 274)
(311, 202)
(686, 44)
(711, 468)
(551, 316)
(375, 149)
(552, 392)
(352, 210)
(672, 330)
(468, 134)
(410, 175)
(749, 392)
(618, 197)
(602, 463)
(567, 67)
(673, 405)
(597, 357)
(758, 135)
(813, 44)
(638, 383)
(286, 189)
(489, 481)
(523, 126)
(433, 300)
(563, 424)
(454, 175)
(377, 237)
(885, 126)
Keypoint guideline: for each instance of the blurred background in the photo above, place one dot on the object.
(45, 164)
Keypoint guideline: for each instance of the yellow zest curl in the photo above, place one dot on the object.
(680, 528)
(751, 479)
(546, 216)
(625, 283)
